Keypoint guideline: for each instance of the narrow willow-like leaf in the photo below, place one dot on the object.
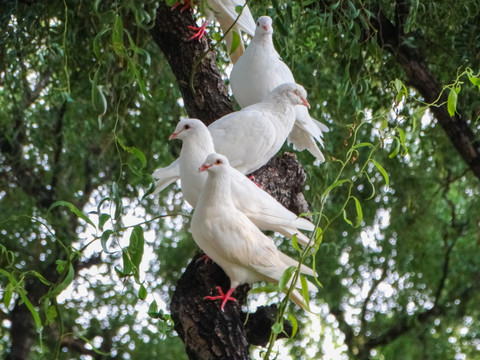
(358, 207)
(382, 171)
(235, 41)
(345, 218)
(133, 150)
(7, 295)
(452, 102)
(103, 218)
(73, 209)
(294, 323)
(104, 238)
(333, 186)
(397, 148)
(64, 284)
(363, 144)
(295, 243)
(305, 294)
(136, 245)
(33, 311)
(117, 36)
(287, 274)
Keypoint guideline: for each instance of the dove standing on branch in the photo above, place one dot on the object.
(225, 11)
(230, 239)
(261, 208)
(251, 136)
(260, 70)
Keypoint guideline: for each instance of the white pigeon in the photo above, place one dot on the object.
(251, 136)
(261, 208)
(231, 240)
(225, 13)
(260, 70)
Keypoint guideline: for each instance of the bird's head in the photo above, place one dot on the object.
(214, 163)
(264, 26)
(187, 127)
(293, 93)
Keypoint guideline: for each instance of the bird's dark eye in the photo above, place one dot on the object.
(258, 23)
(186, 127)
(218, 162)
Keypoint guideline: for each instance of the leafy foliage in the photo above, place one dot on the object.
(87, 102)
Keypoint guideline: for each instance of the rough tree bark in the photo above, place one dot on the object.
(207, 332)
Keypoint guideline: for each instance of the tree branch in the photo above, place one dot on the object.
(421, 78)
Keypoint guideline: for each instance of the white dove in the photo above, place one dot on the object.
(251, 136)
(260, 70)
(225, 12)
(231, 240)
(261, 208)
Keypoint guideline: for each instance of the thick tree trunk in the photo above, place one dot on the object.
(207, 332)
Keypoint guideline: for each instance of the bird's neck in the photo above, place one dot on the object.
(197, 149)
(265, 41)
(217, 190)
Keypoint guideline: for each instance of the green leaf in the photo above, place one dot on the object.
(33, 311)
(305, 295)
(295, 243)
(73, 209)
(103, 218)
(239, 9)
(318, 236)
(277, 328)
(117, 36)
(236, 40)
(133, 150)
(142, 292)
(294, 323)
(104, 238)
(358, 207)
(269, 288)
(117, 200)
(152, 309)
(363, 144)
(345, 218)
(136, 245)
(7, 295)
(40, 277)
(382, 171)
(397, 148)
(474, 80)
(127, 263)
(333, 186)
(50, 315)
(452, 102)
(58, 289)
(287, 274)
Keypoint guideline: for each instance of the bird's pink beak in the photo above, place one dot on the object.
(173, 136)
(305, 102)
(266, 27)
(204, 167)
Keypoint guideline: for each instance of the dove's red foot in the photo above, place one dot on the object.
(205, 259)
(253, 179)
(187, 4)
(222, 296)
(200, 31)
